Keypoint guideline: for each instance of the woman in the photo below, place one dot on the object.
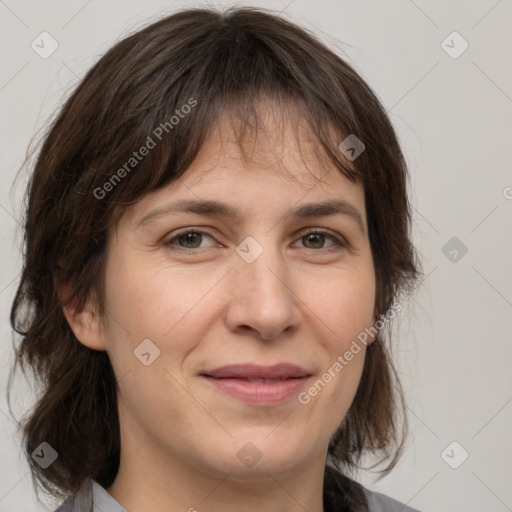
(199, 348)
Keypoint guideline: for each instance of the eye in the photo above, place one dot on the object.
(317, 237)
(191, 239)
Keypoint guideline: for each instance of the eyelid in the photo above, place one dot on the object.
(338, 239)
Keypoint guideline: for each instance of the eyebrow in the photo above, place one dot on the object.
(212, 208)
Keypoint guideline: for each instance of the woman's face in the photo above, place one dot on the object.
(255, 289)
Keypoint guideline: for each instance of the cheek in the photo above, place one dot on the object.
(152, 301)
(161, 304)
(346, 307)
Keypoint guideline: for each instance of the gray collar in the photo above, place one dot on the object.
(91, 497)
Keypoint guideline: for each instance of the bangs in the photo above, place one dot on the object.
(169, 101)
(168, 157)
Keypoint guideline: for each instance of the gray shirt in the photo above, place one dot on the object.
(92, 497)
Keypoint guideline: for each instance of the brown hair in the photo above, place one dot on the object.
(215, 62)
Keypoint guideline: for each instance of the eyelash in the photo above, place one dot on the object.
(339, 242)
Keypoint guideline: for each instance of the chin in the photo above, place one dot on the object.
(253, 458)
(262, 471)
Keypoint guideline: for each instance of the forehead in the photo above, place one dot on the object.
(275, 159)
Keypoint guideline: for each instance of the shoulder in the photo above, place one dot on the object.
(378, 502)
(343, 494)
(91, 497)
(80, 502)
(65, 506)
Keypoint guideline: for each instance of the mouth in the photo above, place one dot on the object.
(258, 384)
(281, 371)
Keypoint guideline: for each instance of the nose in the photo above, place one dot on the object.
(263, 300)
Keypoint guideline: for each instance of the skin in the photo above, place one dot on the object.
(205, 308)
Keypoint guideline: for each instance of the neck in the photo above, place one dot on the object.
(166, 484)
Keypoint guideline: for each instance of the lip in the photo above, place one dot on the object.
(246, 382)
(253, 371)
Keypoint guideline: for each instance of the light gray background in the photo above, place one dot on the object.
(453, 118)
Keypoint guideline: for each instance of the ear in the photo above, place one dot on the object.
(85, 324)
